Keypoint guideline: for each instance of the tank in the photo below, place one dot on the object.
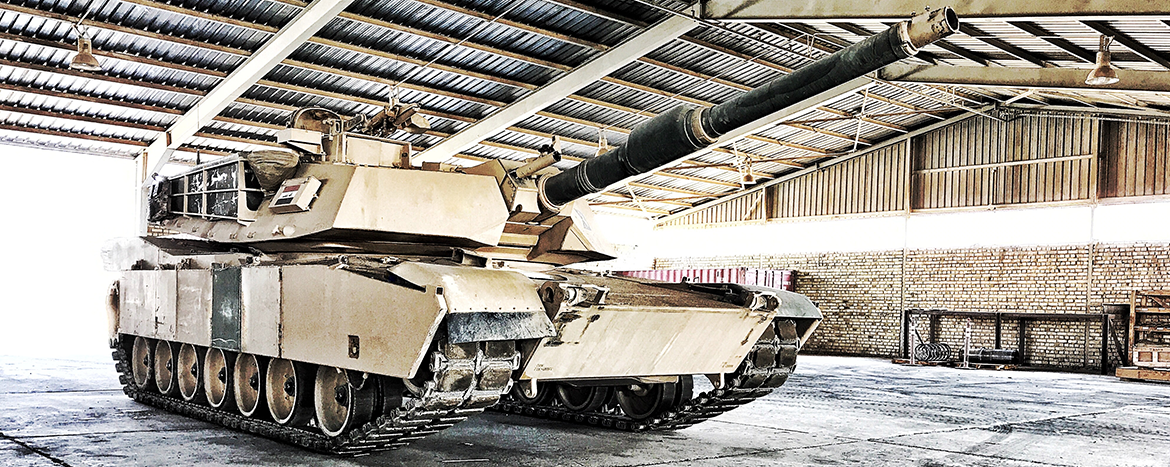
(337, 298)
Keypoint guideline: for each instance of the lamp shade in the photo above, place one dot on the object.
(1103, 73)
(84, 60)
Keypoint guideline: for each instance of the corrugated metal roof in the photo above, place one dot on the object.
(169, 54)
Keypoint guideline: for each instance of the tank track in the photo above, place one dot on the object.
(466, 379)
(766, 367)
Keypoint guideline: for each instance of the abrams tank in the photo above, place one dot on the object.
(336, 297)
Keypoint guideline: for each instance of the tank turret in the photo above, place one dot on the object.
(336, 297)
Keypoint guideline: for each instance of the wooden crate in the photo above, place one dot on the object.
(1151, 356)
(1144, 374)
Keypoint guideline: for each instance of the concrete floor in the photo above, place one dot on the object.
(835, 411)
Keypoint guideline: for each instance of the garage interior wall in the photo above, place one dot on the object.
(1018, 216)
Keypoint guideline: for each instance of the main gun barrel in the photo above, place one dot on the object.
(684, 129)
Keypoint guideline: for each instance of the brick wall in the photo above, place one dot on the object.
(862, 294)
(156, 231)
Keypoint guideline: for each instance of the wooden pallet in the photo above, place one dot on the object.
(906, 361)
(1143, 374)
(978, 366)
(993, 366)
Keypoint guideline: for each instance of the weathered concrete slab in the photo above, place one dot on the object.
(56, 375)
(1129, 436)
(835, 411)
(75, 413)
(15, 455)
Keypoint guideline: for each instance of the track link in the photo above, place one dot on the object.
(766, 367)
(465, 380)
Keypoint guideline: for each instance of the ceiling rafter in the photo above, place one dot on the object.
(356, 75)
(601, 13)
(645, 42)
(268, 83)
(265, 28)
(41, 112)
(637, 208)
(1132, 44)
(421, 89)
(240, 22)
(332, 82)
(70, 19)
(754, 10)
(260, 140)
(514, 24)
(669, 189)
(974, 32)
(89, 137)
(1064, 44)
(115, 140)
(1134, 81)
(680, 201)
(949, 47)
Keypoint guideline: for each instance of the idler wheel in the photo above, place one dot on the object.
(288, 389)
(142, 363)
(582, 399)
(520, 392)
(248, 384)
(339, 405)
(643, 401)
(217, 376)
(164, 367)
(189, 371)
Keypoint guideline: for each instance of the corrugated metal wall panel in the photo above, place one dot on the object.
(749, 207)
(982, 162)
(870, 183)
(1137, 159)
(978, 162)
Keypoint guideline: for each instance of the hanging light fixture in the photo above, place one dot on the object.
(743, 163)
(748, 177)
(602, 143)
(84, 60)
(1103, 73)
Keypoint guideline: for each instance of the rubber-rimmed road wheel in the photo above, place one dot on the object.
(248, 384)
(164, 367)
(340, 406)
(142, 362)
(582, 398)
(217, 376)
(644, 401)
(189, 374)
(288, 390)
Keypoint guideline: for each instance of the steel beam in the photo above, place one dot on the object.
(276, 49)
(1026, 78)
(1090, 111)
(837, 10)
(596, 69)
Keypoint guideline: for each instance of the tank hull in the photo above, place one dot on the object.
(420, 334)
